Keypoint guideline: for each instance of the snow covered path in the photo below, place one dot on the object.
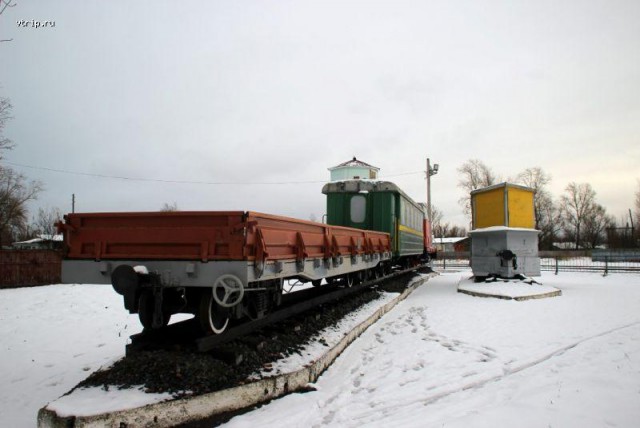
(440, 358)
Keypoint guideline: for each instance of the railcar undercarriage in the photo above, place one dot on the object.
(221, 326)
(228, 302)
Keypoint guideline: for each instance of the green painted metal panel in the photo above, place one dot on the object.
(339, 210)
(410, 244)
(384, 212)
(336, 209)
(406, 215)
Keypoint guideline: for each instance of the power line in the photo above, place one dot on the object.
(159, 180)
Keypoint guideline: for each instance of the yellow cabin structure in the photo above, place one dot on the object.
(503, 204)
(504, 242)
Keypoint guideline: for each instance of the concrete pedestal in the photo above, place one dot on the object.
(504, 252)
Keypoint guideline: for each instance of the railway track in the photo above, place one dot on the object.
(180, 361)
(186, 335)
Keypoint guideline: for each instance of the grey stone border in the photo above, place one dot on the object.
(518, 298)
(180, 411)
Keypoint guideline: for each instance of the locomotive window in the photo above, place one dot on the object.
(358, 209)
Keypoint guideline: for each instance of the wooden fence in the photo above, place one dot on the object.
(27, 268)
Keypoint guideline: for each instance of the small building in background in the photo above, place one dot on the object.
(354, 169)
(450, 244)
(42, 242)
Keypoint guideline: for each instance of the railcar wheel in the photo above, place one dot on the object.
(213, 318)
(146, 304)
(349, 280)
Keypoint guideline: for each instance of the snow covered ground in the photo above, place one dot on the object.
(52, 338)
(440, 358)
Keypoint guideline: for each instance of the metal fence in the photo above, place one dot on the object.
(604, 262)
(452, 260)
(26, 268)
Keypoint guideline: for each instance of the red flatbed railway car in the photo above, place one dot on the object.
(218, 265)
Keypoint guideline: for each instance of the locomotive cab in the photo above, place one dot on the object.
(380, 206)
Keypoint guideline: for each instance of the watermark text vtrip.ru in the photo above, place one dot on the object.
(34, 23)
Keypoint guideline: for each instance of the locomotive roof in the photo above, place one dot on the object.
(364, 186)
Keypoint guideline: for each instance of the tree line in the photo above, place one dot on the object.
(574, 217)
(15, 192)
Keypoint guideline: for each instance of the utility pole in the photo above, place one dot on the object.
(73, 202)
(430, 171)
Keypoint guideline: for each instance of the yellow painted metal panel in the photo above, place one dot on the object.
(488, 208)
(520, 204)
(409, 230)
(503, 204)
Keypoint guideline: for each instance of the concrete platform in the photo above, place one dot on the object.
(172, 412)
(507, 289)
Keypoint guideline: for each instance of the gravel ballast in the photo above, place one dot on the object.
(186, 373)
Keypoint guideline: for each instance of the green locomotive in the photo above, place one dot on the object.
(381, 206)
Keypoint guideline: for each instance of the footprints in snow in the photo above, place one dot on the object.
(415, 322)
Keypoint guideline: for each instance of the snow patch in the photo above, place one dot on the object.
(95, 401)
(326, 339)
(510, 289)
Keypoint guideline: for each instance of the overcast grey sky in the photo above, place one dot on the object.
(278, 91)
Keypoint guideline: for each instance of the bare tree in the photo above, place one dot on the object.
(576, 205)
(548, 221)
(4, 4)
(44, 223)
(166, 207)
(5, 115)
(447, 230)
(621, 234)
(15, 192)
(442, 230)
(534, 178)
(595, 226)
(637, 225)
(545, 211)
(474, 175)
(436, 221)
(457, 231)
